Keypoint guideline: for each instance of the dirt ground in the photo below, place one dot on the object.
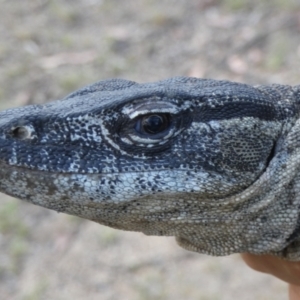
(50, 48)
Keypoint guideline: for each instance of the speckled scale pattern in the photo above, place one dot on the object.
(223, 177)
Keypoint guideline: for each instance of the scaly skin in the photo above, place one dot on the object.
(213, 163)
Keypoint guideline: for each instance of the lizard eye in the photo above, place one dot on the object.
(153, 124)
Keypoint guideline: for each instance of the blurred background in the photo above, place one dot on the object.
(50, 48)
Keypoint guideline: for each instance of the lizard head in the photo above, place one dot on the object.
(145, 157)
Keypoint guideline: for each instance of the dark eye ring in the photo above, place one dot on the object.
(153, 123)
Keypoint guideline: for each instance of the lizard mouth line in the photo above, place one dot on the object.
(4, 167)
(6, 170)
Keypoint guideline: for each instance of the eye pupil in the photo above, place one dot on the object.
(154, 123)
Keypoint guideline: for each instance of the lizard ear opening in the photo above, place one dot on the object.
(271, 155)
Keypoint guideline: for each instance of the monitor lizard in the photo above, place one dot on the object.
(214, 163)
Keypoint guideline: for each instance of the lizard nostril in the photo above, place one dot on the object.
(21, 133)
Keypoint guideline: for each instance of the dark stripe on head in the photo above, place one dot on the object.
(263, 111)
